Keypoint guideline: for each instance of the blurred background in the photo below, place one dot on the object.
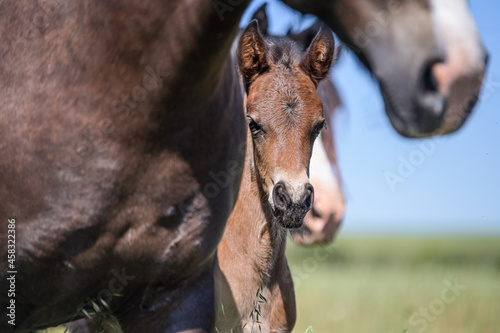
(421, 254)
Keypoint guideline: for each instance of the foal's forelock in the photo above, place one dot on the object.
(282, 52)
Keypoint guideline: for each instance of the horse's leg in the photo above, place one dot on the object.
(188, 309)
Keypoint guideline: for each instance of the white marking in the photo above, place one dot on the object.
(456, 27)
(320, 168)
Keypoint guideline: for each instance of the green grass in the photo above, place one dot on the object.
(375, 285)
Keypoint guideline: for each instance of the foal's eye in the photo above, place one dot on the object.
(319, 127)
(254, 127)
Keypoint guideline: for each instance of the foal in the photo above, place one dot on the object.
(254, 288)
(323, 220)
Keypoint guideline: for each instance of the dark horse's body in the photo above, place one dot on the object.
(121, 131)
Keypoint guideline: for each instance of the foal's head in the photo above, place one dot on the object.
(284, 115)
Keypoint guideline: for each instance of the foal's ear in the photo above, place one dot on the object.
(251, 54)
(319, 56)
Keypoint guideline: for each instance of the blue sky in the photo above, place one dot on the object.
(456, 188)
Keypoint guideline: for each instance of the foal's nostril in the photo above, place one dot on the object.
(281, 197)
(308, 198)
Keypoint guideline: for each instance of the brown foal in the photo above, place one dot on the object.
(322, 222)
(254, 288)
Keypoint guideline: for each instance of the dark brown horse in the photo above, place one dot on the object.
(285, 116)
(121, 141)
(120, 144)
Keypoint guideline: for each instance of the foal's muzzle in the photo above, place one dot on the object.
(291, 213)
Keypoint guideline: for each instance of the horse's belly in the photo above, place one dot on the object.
(159, 226)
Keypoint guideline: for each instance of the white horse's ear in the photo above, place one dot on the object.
(319, 56)
(252, 58)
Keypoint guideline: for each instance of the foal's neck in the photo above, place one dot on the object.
(252, 220)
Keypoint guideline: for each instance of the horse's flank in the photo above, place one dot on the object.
(106, 155)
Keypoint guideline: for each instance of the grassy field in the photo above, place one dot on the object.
(398, 285)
